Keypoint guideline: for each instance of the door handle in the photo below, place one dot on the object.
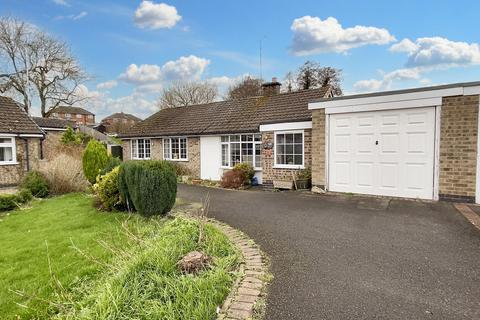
(376, 143)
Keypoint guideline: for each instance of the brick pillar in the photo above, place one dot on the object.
(318, 148)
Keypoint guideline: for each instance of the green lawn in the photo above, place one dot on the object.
(63, 259)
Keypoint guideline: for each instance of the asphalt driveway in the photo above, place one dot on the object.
(341, 257)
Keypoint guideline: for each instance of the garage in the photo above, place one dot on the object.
(388, 153)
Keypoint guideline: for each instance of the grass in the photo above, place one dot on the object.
(69, 261)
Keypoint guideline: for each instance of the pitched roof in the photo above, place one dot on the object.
(53, 123)
(14, 119)
(72, 110)
(231, 116)
(122, 115)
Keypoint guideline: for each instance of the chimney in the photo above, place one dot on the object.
(271, 88)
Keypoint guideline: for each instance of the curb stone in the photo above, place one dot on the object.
(247, 289)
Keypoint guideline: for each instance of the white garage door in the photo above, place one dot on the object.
(387, 153)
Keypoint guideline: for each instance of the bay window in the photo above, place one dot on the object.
(241, 148)
(7, 150)
(289, 149)
(141, 149)
(175, 149)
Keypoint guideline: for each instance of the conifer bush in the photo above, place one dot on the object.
(94, 160)
(149, 187)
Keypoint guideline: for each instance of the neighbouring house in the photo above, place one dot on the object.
(53, 129)
(119, 122)
(20, 142)
(75, 114)
(211, 138)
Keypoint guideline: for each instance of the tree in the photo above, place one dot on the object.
(186, 93)
(307, 75)
(37, 66)
(247, 87)
(289, 82)
(311, 75)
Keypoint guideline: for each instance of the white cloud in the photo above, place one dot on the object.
(107, 85)
(73, 17)
(156, 16)
(438, 52)
(387, 81)
(61, 3)
(311, 35)
(80, 15)
(142, 74)
(152, 77)
(185, 68)
(406, 45)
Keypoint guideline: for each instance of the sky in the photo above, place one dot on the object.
(134, 49)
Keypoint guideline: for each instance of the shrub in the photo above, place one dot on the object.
(94, 160)
(70, 137)
(233, 179)
(106, 189)
(12, 201)
(64, 174)
(112, 163)
(36, 183)
(247, 170)
(149, 186)
(305, 174)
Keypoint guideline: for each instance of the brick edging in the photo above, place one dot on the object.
(249, 287)
(468, 213)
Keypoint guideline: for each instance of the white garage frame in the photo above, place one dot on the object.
(436, 160)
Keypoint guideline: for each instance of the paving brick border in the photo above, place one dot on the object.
(468, 213)
(249, 287)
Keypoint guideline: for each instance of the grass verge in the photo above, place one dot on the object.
(62, 259)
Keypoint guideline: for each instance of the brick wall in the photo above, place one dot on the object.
(458, 147)
(13, 174)
(269, 172)
(156, 152)
(51, 143)
(318, 147)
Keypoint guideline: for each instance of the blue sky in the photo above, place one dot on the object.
(132, 49)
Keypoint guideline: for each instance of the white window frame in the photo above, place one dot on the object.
(135, 156)
(288, 166)
(12, 144)
(256, 166)
(169, 156)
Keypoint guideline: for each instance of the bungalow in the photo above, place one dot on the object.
(20, 142)
(211, 138)
(416, 143)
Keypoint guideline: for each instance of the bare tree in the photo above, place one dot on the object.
(186, 93)
(289, 82)
(311, 75)
(247, 87)
(307, 75)
(37, 66)
(328, 76)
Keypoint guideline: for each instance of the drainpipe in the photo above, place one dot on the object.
(27, 153)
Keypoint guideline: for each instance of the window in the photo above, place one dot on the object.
(175, 149)
(90, 116)
(55, 114)
(289, 149)
(7, 150)
(141, 149)
(68, 115)
(79, 116)
(241, 148)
